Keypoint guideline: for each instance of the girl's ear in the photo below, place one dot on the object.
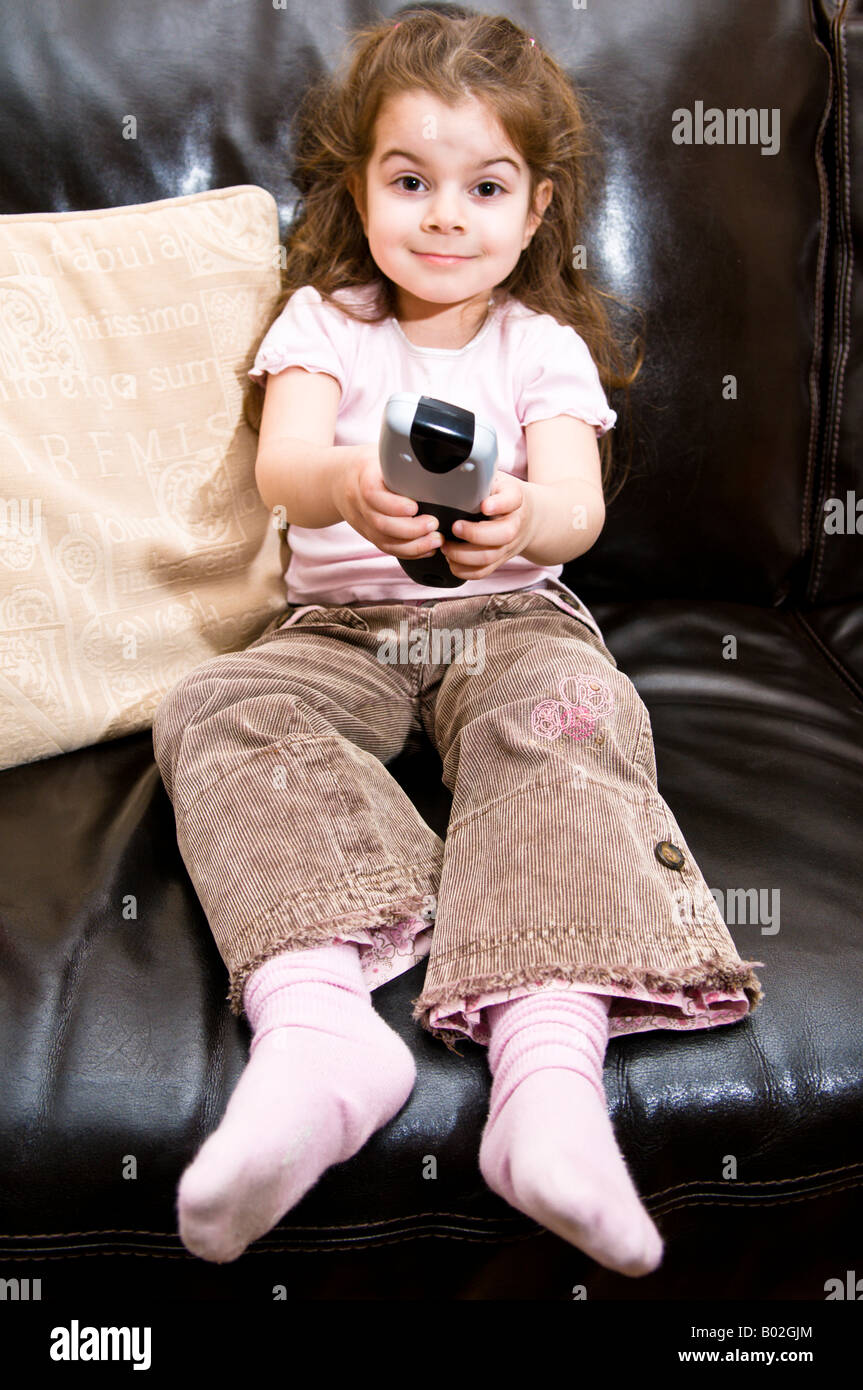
(357, 192)
(542, 198)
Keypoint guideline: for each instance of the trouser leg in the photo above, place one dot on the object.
(290, 826)
(562, 860)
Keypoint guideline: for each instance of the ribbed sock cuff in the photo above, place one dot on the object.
(309, 986)
(551, 1028)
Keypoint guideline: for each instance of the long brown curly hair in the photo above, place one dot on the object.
(454, 53)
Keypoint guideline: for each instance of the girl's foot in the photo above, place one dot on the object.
(548, 1147)
(324, 1072)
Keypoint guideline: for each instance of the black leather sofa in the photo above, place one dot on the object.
(117, 1040)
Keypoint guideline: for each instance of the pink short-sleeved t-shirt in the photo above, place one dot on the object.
(521, 366)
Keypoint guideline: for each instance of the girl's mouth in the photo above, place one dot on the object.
(440, 260)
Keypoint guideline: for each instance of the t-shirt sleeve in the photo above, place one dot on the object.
(560, 378)
(307, 333)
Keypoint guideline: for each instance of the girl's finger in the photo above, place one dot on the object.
(403, 528)
(391, 503)
(505, 499)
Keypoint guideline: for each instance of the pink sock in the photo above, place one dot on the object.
(324, 1072)
(548, 1147)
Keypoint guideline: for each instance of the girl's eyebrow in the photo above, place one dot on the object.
(418, 159)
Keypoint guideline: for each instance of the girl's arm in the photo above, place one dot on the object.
(311, 482)
(298, 468)
(565, 477)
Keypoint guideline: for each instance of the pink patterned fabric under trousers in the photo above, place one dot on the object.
(387, 952)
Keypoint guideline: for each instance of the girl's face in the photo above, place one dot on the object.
(445, 180)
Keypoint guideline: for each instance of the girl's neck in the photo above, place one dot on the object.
(451, 329)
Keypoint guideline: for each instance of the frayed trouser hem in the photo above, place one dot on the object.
(413, 915)
(691, 984)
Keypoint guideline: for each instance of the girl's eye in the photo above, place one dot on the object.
(485, 183)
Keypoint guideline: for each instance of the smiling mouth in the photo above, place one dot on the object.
(442, 256)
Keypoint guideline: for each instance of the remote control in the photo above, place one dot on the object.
(440, 456)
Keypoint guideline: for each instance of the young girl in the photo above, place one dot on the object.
(443, 183)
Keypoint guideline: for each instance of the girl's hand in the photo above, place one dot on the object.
(385, 518)
(481, 547)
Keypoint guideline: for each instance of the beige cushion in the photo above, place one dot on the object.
(133, 542)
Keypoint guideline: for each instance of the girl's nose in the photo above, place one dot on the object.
(445, 213)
